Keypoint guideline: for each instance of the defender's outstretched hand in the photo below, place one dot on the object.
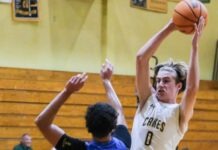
(76, 83)
(106, 70)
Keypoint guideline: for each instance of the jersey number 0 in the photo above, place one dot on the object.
(148, 138)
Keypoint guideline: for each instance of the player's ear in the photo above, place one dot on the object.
(179, 86)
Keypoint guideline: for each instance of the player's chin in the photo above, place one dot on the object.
(159, 95)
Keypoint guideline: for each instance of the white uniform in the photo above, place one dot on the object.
(156, 126)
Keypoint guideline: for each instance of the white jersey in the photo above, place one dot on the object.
(156, 126)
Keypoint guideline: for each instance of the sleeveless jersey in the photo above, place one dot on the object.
(156, 126)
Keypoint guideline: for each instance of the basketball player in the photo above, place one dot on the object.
(160, 123)
(101, 119)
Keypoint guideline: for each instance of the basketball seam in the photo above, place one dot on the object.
(191, 9)
(184, 16)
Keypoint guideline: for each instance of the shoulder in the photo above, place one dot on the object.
(122, 134)
(151, 100)
(66, 142)
(120, 144)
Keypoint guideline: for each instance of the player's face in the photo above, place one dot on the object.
(166, 87)
(27, 140)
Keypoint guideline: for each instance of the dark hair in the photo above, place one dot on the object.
(180, 69)
(101, 119)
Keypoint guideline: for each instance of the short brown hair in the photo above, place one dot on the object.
(180, 69)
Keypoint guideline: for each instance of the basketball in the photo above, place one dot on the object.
(187, 13)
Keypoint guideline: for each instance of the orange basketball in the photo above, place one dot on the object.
(187, 13)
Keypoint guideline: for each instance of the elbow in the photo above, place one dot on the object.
(193, 86)
(193, 89)
(186, 116)
(196, 88)
(140, 59)
(38, 122)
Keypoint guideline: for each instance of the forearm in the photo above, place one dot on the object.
(46, 117)
(193, 72)
(111, 95)
(151, 46)
(143, 83)
(114, 101)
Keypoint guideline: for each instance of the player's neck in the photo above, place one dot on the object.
(103, 139)
(169, 101)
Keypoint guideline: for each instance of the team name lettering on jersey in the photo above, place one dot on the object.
(155, 123)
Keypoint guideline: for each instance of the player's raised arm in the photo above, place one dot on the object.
(192, 84)
(106, 74)
(143, 85)
(44, 120)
